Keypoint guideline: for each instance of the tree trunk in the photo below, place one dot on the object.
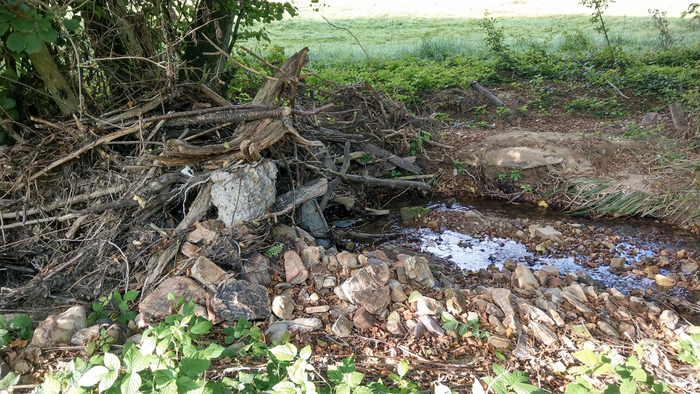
(55, 82)
(214, 19)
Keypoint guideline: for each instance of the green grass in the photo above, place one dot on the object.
(391, 38)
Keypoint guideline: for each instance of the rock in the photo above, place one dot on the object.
(651, 271)
(255, 270)
(378, 270)
(401, 275)
(292, 232)
(393, 324)
(546, 272)
(296, 272)
(415, 328)
(522, 350)
(591, 294)
(553, 282)
(240, 299)
(330, 282)
(627, 329)
(90, 334)
(581, 330)
(498, 327)
(689, 267)
(4, 368)
(157, 306)
(577, 303)
(59, 329)
(360, 289)
(338, 310)
(189, 249)
(243, 193)
(664, 281)
(510, 264)
(618, 263)
(349, 260)
(455, 301)
(556, 317)
(283, 307)
(535, 313)
(545, 233)
(418, 270)
(669, 319)
(637, 305)
(342, 327)
(398, 295)
(205, 232)
(499, 342)
(608, 329)
(275, 331)
(317, 309)
(429, 306)
(408, 214)
(305, 325)
(576, 290)
(207, 273)
(543, 333)
(526, 280)
(431, 325)
(510, 322)
(504, 300)
(363, 319)
(311, 254)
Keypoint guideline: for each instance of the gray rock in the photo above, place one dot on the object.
(510, 322)
(305, 325)
(240, 299)
(429, 306)
(275, 331)
(255, 270)
(504, 300)
(378, 270)
(244, 193)
(418, 270)
(431, 325)
(490, 308)
(499, 342)
(115, 330)
(398, 295)
(522, 350)
(349, 260)
(338, 310)
(455, 301)
(556, 316)
(576, 290)
(415, 328)
(546, 272)
(157, 306)
(330, 282)
(669, 319)
(543, 333)
(577, 303)
(627, 330)
(207, 273)
(59, 329)
(608, 329)
(637, 305)
(547, 232)
(535, 313)
(311, 217)
(283, 307)
(342, 327)
(362, 290)
(618, 262)
(526, 280)
(296, 272)
(497, 325)
(317, 309)
(311, 254)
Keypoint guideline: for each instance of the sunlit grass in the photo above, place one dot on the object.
(399, 37)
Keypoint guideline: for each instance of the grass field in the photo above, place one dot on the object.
(392, 29)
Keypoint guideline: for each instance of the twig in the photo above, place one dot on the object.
(618, 90)
(393, 183)
(63, 203)
(239, 64)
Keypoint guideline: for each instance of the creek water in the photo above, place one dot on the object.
(472, 253)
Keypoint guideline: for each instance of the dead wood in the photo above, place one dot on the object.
(390, 183)
(392, 158)
(291, 199)
(492, 98)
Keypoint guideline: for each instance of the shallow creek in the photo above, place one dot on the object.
(479, 250)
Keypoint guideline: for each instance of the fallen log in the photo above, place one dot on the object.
(492, 98)
(391, 183)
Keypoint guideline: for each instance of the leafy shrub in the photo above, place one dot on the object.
(19, 327)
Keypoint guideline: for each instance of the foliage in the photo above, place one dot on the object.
(506, 382)
(451, 323)
(630, 377)
(598, 6)
(417, 144)
(608, 107)
(688, 346)
(515, 174)
(660, 22)
(495, 37)
(18, 327)
(101, 343)
(114, 299)
(274, 250)
(459, 167)
(693, 11)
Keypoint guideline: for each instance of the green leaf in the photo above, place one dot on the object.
(305, 353)
(93, 376)
(49, 35)
(16, 42)
(201, 327)
(588, 357)
(573, 388)
(285, 352)
(71, 24)
(131, 295)
(112, 361)
(11, 379)
(3, 27)
(628, 386)
(402, 368)
(640, 375)
(130, 383)
(20, 321)
(22, 25)
(415, 296)
(193, 366)
(451, 325)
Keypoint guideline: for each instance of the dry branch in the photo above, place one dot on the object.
(495, 100)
